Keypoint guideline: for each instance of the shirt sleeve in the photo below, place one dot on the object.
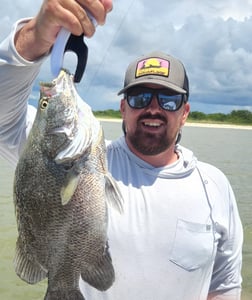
(226, 278)
(16, 116)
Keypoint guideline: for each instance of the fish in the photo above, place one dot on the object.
(62, 189)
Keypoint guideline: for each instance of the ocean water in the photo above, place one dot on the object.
(227, 149)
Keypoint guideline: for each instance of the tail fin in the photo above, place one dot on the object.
(64, 295)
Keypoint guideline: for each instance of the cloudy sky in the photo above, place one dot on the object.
(211, 37)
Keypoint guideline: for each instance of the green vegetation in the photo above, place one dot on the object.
(110, 113)
(237, 117)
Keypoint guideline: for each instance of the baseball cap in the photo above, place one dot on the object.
(157, 68)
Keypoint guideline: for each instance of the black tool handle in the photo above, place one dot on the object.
(76, 44)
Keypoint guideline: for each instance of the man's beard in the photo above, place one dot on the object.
(148, 143)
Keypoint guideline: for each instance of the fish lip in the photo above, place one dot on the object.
(64, 82)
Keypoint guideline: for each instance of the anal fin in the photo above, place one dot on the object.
(100, 275)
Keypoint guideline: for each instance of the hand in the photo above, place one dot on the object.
(37, 37)
(72, 15)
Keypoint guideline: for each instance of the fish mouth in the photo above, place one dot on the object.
(64, 80)
(62, 83)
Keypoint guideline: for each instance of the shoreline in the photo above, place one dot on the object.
(193, 124)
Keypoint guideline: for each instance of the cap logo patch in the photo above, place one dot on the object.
(153, 66)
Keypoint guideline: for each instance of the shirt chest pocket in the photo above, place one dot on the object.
(193, 245)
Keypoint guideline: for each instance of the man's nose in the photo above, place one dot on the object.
(154, 105)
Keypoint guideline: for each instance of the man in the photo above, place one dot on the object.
(180, 236)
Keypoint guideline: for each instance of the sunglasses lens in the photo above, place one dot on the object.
(139, 100)
(170, 102)
(140, 97)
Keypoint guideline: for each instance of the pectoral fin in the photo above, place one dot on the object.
(68, 190)
(113, 194)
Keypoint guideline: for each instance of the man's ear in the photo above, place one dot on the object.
(122, 107)
(185, 112)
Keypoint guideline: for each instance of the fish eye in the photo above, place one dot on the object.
(44, 102)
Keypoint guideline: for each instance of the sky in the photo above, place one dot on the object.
(212, 38)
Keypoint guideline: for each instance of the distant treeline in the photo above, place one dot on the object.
(109, 113)
(243, 117)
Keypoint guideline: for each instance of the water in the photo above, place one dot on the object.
(227, 149)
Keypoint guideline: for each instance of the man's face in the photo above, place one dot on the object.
(152, 130)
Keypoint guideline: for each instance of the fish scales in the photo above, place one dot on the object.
(61, 191)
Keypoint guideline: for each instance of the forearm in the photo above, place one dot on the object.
(234, 294)
(29, 42)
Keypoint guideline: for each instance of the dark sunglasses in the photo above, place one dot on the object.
(140, 97)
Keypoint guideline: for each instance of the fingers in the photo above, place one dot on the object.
(108, 5)
(75, 19)
(97, 8)
(72, 14)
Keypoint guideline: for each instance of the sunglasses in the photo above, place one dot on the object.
(140, 97)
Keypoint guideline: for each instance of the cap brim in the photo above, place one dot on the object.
(162, 83)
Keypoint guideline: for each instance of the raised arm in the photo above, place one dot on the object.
(23, 52)
(36, 38)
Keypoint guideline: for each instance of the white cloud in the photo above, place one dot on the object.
(210, 37)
